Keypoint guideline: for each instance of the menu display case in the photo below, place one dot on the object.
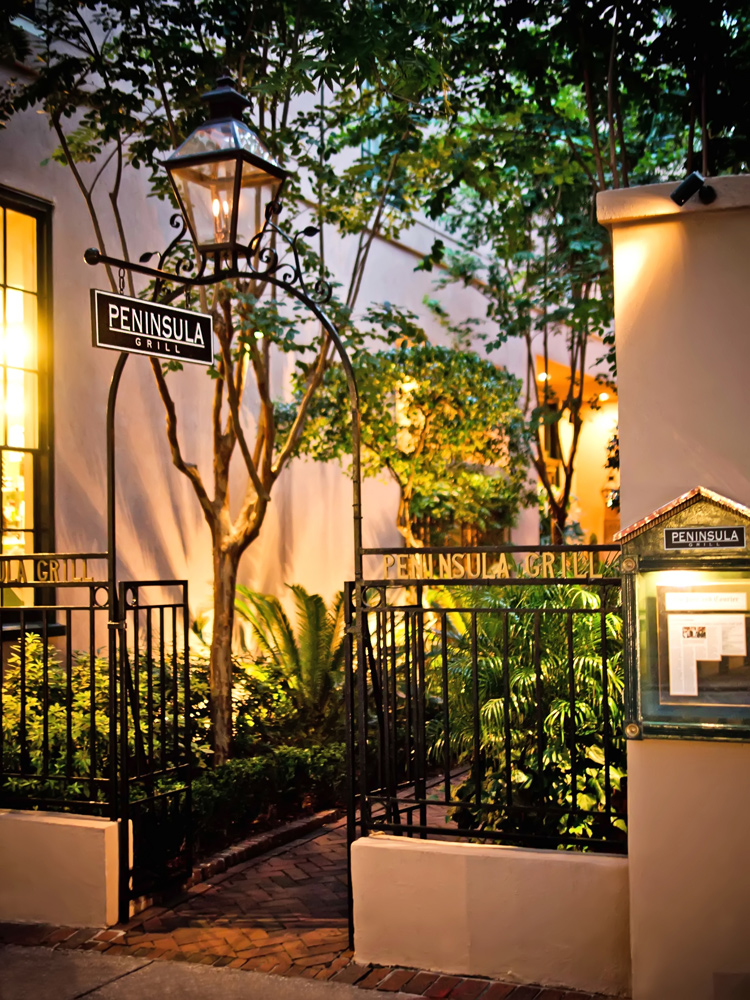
(686, 599)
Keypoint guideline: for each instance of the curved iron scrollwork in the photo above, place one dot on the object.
(261, 259)
(288, 272)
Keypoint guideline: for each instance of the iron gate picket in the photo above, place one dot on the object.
(154, 740)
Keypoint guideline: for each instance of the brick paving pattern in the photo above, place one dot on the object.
(283, 913)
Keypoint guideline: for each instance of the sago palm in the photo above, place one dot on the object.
(310, 656)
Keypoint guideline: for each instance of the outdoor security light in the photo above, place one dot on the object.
(223, 176)
(694, 183)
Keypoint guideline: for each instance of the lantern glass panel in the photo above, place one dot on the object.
(257, 189)
(249, 141)
(207, 194)
(211, 138)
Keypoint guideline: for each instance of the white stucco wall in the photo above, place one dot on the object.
(681, 295)
(680, 307)
(58, 869)
(557, 918)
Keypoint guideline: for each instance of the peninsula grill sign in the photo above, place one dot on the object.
(705, 537)
(122, 323)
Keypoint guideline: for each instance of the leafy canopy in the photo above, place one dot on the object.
(442, 422)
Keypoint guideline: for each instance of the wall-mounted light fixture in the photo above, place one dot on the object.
(694, 183)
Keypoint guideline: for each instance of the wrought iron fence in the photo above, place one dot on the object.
(81, 734)
(155, 737)
(57, 749)
(489, 707)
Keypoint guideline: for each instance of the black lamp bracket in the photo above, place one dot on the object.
(260, 259)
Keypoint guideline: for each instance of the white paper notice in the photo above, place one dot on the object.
(701, 637)
(691, 600)
(691, 638)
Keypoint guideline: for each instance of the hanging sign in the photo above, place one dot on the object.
(708, 537)
(122, 323)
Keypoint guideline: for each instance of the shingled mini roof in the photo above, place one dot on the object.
(676, 505)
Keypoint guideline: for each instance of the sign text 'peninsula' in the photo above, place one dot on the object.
(122, 323)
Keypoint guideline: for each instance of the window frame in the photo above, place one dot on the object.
(43, 455)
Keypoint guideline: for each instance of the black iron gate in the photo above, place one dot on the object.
(154, 735)
(82, 734)
(485, 702)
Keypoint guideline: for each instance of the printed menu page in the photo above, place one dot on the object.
(695, 634)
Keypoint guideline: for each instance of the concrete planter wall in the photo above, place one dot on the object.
(558, 918)
(58, 868)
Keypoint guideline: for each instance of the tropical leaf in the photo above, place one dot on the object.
(308, 655)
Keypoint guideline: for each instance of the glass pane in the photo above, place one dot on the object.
(256, 191)
(207, 192)
(18, 503)
(20, 409)
(208, 139)
(19, 329)
(21, 249)
(250, 141)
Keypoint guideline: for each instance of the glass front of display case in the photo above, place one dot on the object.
(693, 627)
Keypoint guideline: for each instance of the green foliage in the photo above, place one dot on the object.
(77, 720)
(443, 423)
(263, 712)
(280, 783)
(309, 659)
(534, 787)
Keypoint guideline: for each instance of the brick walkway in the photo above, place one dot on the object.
(282, 913)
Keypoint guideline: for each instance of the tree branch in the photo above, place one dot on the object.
(234, 404)
(190, 471)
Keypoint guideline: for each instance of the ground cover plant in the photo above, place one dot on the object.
(261, 791)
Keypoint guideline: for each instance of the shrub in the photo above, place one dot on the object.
(308, 660)
(284, 782)
(533, 787)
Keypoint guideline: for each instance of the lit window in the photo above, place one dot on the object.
(24, 446)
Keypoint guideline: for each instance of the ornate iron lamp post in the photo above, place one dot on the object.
(228, 188)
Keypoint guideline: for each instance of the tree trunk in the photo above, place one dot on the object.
(226, 562)
(558, 521)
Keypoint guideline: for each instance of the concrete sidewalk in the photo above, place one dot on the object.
(44, 974)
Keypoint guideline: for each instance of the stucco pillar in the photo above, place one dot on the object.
(682, 326)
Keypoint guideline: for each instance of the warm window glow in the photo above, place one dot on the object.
(603, 397)
(18, 383)
(543, 377)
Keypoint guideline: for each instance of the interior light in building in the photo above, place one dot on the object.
(603, 397)
(543, 377)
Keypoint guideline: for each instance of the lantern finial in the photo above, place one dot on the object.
(224, 101)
